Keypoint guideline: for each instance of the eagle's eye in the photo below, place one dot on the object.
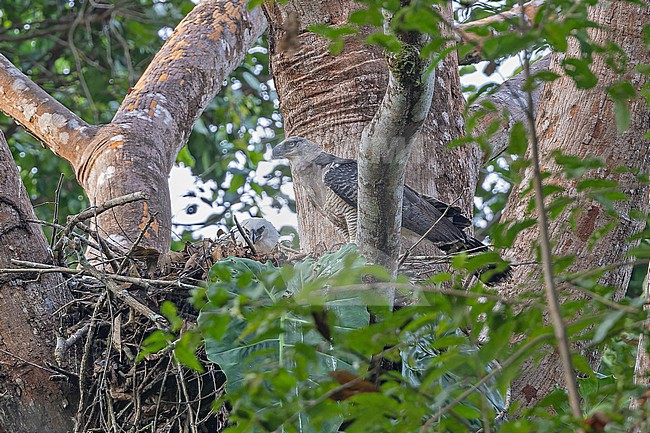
(291, 144)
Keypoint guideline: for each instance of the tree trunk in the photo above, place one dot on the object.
(581, 123)
(330, 100)
(31, 402)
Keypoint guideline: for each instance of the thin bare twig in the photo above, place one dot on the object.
(63, 344)
(109, 204)
(84, 367)
(608, 302)
(408, 252)
(43, 268)
(559, 327)
(55, 217)
(245, 236)
(152, 218)
(92, 211)
(56, 226)
(186, 394)
(124, 295)
(26, 361)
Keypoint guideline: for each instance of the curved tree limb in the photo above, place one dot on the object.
(136, 151)
(58, 128)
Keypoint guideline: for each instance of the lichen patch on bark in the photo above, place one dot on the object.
(106, 175)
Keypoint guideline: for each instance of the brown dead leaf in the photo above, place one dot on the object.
(192, 263)
(117, 334)
(596, 422)
(344, 377)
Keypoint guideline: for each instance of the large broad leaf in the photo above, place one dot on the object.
(259, 334)
(419, 361)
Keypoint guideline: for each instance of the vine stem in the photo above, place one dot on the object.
(559, 327)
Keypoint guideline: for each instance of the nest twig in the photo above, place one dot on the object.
(115, 308)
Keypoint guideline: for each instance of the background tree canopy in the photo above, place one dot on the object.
(88, 54)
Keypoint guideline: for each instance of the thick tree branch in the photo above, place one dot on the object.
(188, 71)
(385, 148)
(180, 82)
(464, 31)
(528, 10)
(44, 117)
(156, 117)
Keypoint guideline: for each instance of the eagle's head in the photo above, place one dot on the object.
(260, 232)
(295, 149)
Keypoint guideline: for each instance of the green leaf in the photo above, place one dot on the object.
(557, 35)
(506, 44)
(185, 350)
(574, 166)
(596, 184)
(641, 251)
(621, 93)
(168, 309)
(467, 412)
(546, 76)
(335, 34)
(154, 343)
(389, 42)
(466, 70)
(185, 157)
(578, 69)
(371, 16)
(557, 205)
(606, 325)
(518, 139)
(264, 334)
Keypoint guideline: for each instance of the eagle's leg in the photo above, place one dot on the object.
(336, 210)
(351, 223)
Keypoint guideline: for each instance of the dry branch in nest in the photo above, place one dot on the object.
(117, 298)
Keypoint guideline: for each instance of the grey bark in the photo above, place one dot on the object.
(385, 147)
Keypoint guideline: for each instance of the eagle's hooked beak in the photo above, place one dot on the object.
(278, 151)
(287, 148)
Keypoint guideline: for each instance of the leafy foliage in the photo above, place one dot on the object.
(458, 350)
(264, 326)
(235, 341)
